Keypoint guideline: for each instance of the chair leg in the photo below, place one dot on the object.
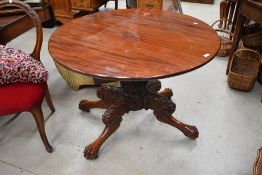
(116, 4)
(48, 99)
(39, 119)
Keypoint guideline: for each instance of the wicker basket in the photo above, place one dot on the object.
(76, 80)
(253, 40)
(244, 69)
(226, 37)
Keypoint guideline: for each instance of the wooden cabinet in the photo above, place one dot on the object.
(87, 5)
(81, 3)
(200, 1)
(66, 10)
(63, 10)
(150, 4)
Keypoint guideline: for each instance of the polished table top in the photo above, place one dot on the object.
(134, 44)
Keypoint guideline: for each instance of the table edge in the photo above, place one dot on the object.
(138, 78)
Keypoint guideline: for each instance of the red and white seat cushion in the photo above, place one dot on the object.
(22, 81)
(17, 66)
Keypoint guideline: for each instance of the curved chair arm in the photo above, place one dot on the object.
(32, 14)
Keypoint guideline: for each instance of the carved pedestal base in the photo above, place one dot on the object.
(133, 96)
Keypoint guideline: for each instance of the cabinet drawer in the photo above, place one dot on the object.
(81, 3)
(150, 4)
(87, 4)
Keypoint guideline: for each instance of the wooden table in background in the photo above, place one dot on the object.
(136, 47)
(14, 22)
(251, 10)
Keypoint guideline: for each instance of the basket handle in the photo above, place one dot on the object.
(259, 58)
(221, 30)
(222, 21)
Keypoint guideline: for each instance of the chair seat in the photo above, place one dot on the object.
(18, 66)
(19, 97)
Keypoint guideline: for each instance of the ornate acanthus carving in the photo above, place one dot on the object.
(132, 96)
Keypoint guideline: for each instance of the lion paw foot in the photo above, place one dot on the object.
(83, 106)
(191, 132)
(91, 152)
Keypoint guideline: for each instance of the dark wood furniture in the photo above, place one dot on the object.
(200, 1)
(63, 10)
(33, 105)
(229, 10)
(134, 2)
(66, 10)
(14, 22)
(248, 10)
(150, 4)
(257, 169)
(136, 47)
(170, 5)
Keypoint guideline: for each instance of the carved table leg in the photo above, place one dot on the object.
(86, 105)
(112, 119)
(188, 130)
(107, 95)
(133, 96)
(164, 108)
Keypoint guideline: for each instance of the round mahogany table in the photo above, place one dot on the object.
(136, 47)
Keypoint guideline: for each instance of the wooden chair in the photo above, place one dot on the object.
(20, 97)
(228, 13)
(249, 10)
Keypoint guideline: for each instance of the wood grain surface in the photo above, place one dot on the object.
(133, 45)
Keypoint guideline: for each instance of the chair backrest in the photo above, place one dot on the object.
(32, 14)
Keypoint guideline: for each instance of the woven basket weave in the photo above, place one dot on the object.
(253, 40)
(226, 37)
(244, 69)
(76, 80)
